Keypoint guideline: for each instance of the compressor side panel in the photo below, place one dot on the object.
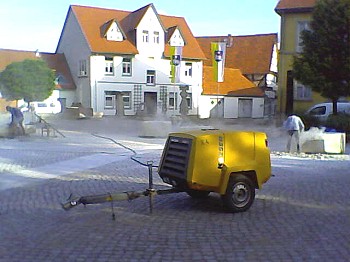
(206, 173)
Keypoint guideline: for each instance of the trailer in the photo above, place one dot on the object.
(232, 164)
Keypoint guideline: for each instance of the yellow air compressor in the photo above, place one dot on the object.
(230, 163)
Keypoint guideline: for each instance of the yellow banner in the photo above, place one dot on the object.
(218, 51)
(175, 62)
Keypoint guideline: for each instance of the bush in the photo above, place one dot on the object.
(311, 121)
(339, 122)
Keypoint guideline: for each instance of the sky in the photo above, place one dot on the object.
(37, 24)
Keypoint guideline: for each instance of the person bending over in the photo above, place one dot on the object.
(294, 126)
(16, 120)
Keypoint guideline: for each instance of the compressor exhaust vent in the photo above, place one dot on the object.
(175, 160)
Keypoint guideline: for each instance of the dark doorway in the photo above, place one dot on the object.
(245, 108)
(151, 103)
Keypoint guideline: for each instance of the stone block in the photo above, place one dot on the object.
(328, 143)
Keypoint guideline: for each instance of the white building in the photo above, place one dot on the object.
(120, 61)
(250, 77)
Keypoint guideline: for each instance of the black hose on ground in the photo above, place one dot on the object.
(127, 148)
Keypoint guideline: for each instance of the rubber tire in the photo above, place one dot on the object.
(197, 193)
(240, 194)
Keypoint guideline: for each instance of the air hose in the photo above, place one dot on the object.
(133, 157)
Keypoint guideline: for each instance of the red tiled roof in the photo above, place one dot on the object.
(56, 62)
(251, 54)
(248, 92)
(284, 6)
(8, 56)
(233, 81)
(192, 48)
(92, 18)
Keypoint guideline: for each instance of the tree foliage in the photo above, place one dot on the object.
(31, 80)
(324, 63)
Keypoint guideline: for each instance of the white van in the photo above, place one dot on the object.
(322, 111)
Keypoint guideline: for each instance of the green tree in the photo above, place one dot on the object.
(324, 63)
(30, 80)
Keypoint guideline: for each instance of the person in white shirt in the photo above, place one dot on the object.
(294, 126)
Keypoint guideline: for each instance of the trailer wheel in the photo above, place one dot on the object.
(240, 194)
(197, 193)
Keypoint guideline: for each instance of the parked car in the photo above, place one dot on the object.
(323, 110)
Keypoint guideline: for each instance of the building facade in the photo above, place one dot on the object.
(120, 61)
(250, 73)
(295, 17)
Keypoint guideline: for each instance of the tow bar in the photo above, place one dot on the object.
(121, 196)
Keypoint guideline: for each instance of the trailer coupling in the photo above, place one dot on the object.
(111, 197)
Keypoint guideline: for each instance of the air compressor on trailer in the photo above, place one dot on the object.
(232, 164)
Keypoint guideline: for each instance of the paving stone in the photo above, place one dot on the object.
(301, 214)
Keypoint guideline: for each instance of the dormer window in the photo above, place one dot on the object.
(112, 31)
(145, 36)
(176, 38)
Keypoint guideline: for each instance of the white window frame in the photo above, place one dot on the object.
(151, 77)
(188, 69)
(172, 100)
(82, 68)
(145, 36)
(127, 100)
(126, 67)
(301, 26)
(189, 100)
(156, 37)
(111, 99)
(302, 92)
(109, 66)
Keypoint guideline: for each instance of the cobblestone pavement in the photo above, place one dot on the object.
(301, 214)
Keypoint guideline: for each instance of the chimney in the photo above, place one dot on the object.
(229, 41)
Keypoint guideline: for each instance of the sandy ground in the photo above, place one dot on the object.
(129, 127)
(134, 127)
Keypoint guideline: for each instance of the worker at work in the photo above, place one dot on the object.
(294, 126)
(16, 120)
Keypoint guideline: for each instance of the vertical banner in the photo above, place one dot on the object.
(175, 61)
(218, 51)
